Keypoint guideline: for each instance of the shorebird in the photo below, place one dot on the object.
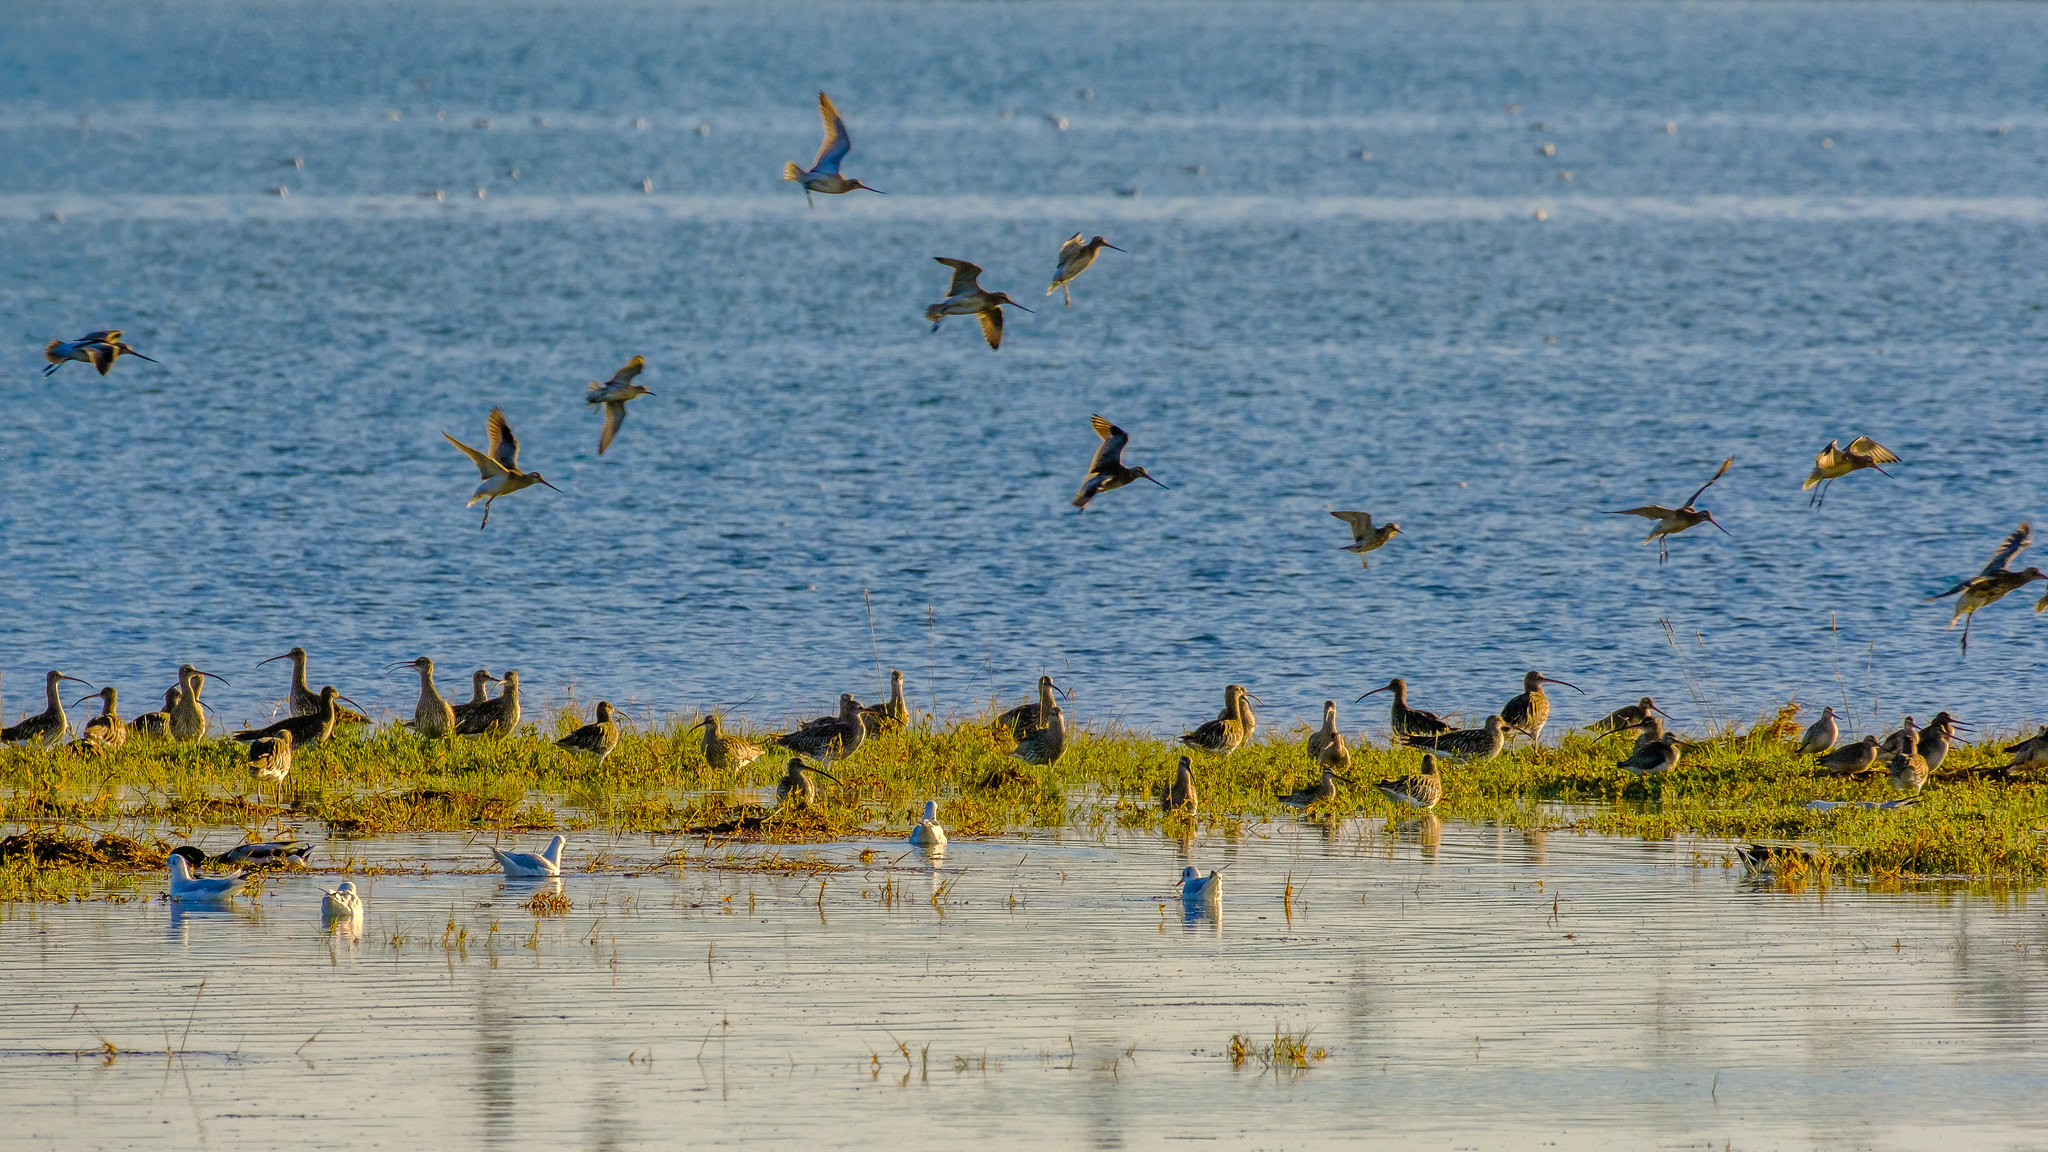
(1326, 744)
(1044, 745)
(307, 731)
(1671, 521)
(1994, 582)
(477, 698)
(1317, 793)
(1107, 470)
(157, 725)
(188, 715)
(1180, 795)
(1466, 743)
(829, 738)
(500, 469)
(1199, 893)
(106, 731)
(824, 176)
(1626, 717)
(198, 889)
(928, 834)
(1656, 758)
(99, 349)
(340, 903)
(302, 700)
(1408, 721)
(49, 727)
(1936, 738)
(1365, 537)
(1421, 790)
(613, 394)
(895, 711)
(497, 716)
(599, 739)
(966, 297)
(529, 864)
(1821, 736)
(1835, 462)
(1900, 739)
(1226, 733)
(1024, 717)
(261, 853)
(270, 758)
(1075, 258)
(432, 717)
(1907, 769)
(2029, 753)
(724, 753)
(796, 782)
(1529, 711)
(1849, 759)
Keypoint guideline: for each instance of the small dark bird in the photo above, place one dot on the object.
(1107, 471)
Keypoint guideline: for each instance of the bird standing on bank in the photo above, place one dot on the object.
(1422, 790)
(599, 739)
(432, 717)
(1529, 710)
(1821, 735)
(1404, 720)
(1179, 796)
(48, 727)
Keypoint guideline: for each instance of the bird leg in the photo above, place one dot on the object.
(1966, 632)
(1068, 293)
(808, 200)
(487, 514)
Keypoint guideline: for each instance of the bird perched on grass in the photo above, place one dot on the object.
(1024, 717)
(1046, 744)
(1107, 470)
(1404, 720)
(1671, 521)
(270, 758)
(1421, 790)
(823, 176)
(1849, 759)
(1466, 743)
(1326, 744)
(1321, 792)
(1821, 735)
(599, 739)
(1365, 537)
(1529, 710)
(613, 394)
(1657, 758)
(1626, 717)
(724, 753)
(1179, 796)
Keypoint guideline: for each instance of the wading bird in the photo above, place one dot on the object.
(1228, 731)
(1657, 758)
(824, 176)
(1907, 769)
(477, 698)
(48, 727)
(1024, 717)
(1320, 792)
(1466, 743)
(796, 785)
(1421, 790)
(497, 716)
(600, 739)
(499, 469)
(188, 715)
(1835, 462)
(307, 731)
(1935, 739)
(530, 864)
(1821, 736)
(724, 753)
(1404, 720)
(829, 738)
(1180, 795)
(157, 725)
(895, 711)
(1107, 470)
(1994, 582)
(1075, 258)
(432, 717)
(1626, 717)
(2028, 754)
(928, 833)
(1671, 521)
(99, 349)
(1046, 744)
(613, 394)
(966, 297)
(1849, 759)
(106, 731)
(1528, 711)
(270, 758)
(1365, 537)
(1326, 744)
(301, 698)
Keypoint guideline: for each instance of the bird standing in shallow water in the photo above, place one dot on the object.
(1835, 462)
(1528, 711)
(966, 297)
(599, 739)
(796, 783)
(1421, 790)
(824, 176)
(1365, 537)
(1671, 521)
(613, 394)
(1994, 582)
(48, 727)
(500, 468)
(1404, 720)
(1821, 736)
(1107, 470)
(341, 903)
(928, 833)
(1075, 258)
(1180, 795)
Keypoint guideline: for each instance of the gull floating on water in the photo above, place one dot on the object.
(187, 887)
(928, 834)
(499, 469)
(613, 394)
(1200, 893)
(1107, 470)
(1075, 258)
(529, 864)
(824, 174)
(966, 297)
(341, 903)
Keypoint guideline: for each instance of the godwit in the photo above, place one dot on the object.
(599, 739)
(106, 731)
(1199, 893)
(341, 903)
(307, 731)
(302, 700)
(1849, 759)
(613, 394)
(1466, 743)
(895, 711)
(500, 469)
(829, 738)
(497, 716)
(824, 175)
(1935, 739)
(1180, 795)
(99, 349)
(1326, 744)
(1652, 728)
(1657, 758)
(1625, 717)
(1834, 462)
(1821, 736)
(157, 725)
(477, 698)
(1024, 717)
(2028, 754)
(1075, 258)
(188, 715)
(1529, 711)
(199, 889)
(519, 865)
(1107, 471)
(796, 782)
(928, 834)
(1226, 733)
(1421, 790)
(270, 758)
(1994, 582)
(49, 727)
(1408, 721)
(1365, 537)
(724, 753)
(1671, 521)
(264, 853)
(1907, 770)
(1320, 792)
(1044, 745)
(1900, 739)
(966, 297)
(432, 717)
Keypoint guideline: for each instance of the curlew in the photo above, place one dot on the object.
(1046, 744)
(613, 394)
(477, 696)
(1835, 462)
(1659, 757)
(157, 725)
(893, 712)
(1529, 711)
(500, 468)
(48, 727)
(1849, 759)
(1404, 720)
(966, 297)
(2028, 754)
(796, 783)
(1320, 792)
(724, 753)
(600, 739)
(301, 698)
(1482, 743)
(270, 758)
(1994, 582)
(831, 738)
(1671, 521)
(1326, 744)
(432, 717)
(1024, 717)
(307, 731)
(1626, 717)
(823, 176)
(1227, 732)
(1107, 470)
(1076, 258)
(99, 349)
(1365, 537)
(106, 731)
(188, 715)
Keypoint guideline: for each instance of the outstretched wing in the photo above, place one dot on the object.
(614, 415)
(1725, 465)
(1653, 511)
(1072, 245)
(837, 143)
(966, 277)
(1361, 524)
(1089, 488)
(486, 467)
(1871, 450)
(2013, 546)
(1108, 457)
(634, 367)
(504, 445)
(992, 327)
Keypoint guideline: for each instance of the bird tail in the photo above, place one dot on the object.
(1810, 482)
(791, 172)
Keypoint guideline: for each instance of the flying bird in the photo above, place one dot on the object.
(1075, 258)
(1108, 471)
(99, 349)
(824, 176)
(613, 394)
(1671, 521)
(966, 297)
(499, 469)
(1835, 462)
(1994, 582)
(1365, 537)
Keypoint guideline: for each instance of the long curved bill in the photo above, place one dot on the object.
(1572, 686)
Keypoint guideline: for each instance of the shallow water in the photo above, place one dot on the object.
(1472, 987)
(1293, 330)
